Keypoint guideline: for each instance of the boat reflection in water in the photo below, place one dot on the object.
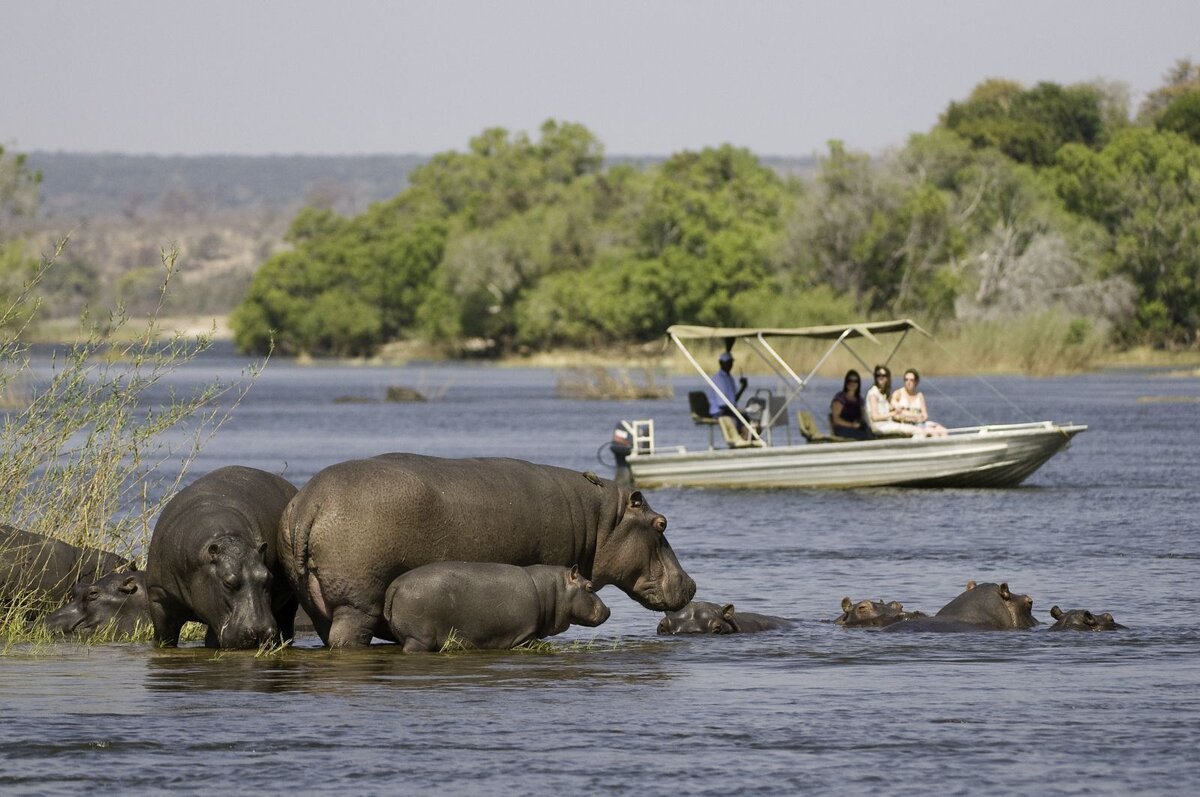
(986, 455)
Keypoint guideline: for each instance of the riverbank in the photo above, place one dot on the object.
(1043, 348)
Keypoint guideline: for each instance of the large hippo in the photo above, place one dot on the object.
(981, 607)
(42, 568)
(357, 525)
(116, 602)
(705, 617)
(213, 559)
(488, 606)
(873, 614)
(1082, 620)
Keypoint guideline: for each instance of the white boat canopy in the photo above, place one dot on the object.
(866, 329)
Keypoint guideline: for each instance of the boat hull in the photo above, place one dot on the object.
(1000, 456)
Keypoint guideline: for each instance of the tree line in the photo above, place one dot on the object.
(1018, 200)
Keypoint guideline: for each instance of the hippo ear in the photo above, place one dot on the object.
(129, 585)
(847, 603)
(1004, 593)
(727, 611)
(1055, 612)
(636, 500)
(970, 585)
(212, 552)
(1088, 617)
(262, 550)
(573, 575)
(897, 605)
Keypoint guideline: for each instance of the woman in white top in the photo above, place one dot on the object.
(881, 416)
(909, 405)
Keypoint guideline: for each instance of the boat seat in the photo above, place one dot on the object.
(729, 431)
(808, 428)
(698, 404)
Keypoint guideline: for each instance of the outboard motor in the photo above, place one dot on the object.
(621, 446)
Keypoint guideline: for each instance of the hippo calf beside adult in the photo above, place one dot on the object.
(706, 617)
(213, 560)
(358, 525)
(488, 606)
(116, 602)
(1082, 620)
(981, 607)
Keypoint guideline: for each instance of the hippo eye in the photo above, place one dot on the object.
(92, 594)
(587, 586)
(231, 582)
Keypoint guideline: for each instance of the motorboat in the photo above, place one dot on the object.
(756, 453)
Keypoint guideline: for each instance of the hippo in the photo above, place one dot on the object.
(704, 617)
(43, 568)
(213, 559)
(873, 614)
(358, 525)
(117, 602)
(1082, 620)
(487, 606)
(981, 607)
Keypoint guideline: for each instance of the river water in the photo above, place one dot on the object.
(1108, 525)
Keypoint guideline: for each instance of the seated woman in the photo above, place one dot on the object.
(846, 410)
(881, 416)
(909, 404)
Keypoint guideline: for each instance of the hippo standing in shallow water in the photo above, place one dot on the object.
(213, 560)
(873, 614)
(358, 525)
(488, 606)
(705, 617)
(1082, 620)
(982, 607)
(117, 602)
(35, 566)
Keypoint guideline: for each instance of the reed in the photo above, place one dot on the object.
(102, 443)
(597, 382)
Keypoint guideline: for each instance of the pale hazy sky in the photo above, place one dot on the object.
(648, 77)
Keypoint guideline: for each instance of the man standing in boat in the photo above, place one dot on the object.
(723, 379)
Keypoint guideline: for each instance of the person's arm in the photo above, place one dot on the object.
(742, 382)
(835, 414)
(919, 410)
(877, 406)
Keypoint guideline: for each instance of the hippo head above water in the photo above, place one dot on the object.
(636, 557)
(877, 614)
(1082, 620)
(116, 602)
(700, 617)
(990, 606)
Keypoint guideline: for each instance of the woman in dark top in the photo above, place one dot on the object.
(846, 410)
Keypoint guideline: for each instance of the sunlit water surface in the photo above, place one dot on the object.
(1109, 525)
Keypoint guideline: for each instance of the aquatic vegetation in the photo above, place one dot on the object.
(619, 383)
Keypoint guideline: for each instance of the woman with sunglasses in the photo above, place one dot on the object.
(882, 417)
(846, 410)
(909, 404)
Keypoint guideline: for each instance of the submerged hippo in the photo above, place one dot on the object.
(1082, 620)
(357, 525)
(488, 606)
(981, 607)
(117, 602)
(33, 566)
(704, 617)
(873, 614)
(213, 560)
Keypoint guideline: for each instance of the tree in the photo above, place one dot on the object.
(1143, 188)
(1182, 116)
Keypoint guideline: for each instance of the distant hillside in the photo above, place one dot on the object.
(78, 185)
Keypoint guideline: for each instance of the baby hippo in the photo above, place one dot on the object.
(486, 605)
(704, 617)
(117, 602)
(1082, 620)
(873, 614)
(982, 607)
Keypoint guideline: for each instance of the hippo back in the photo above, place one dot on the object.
(35, 564)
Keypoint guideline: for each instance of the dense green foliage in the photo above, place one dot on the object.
(1047, 199)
